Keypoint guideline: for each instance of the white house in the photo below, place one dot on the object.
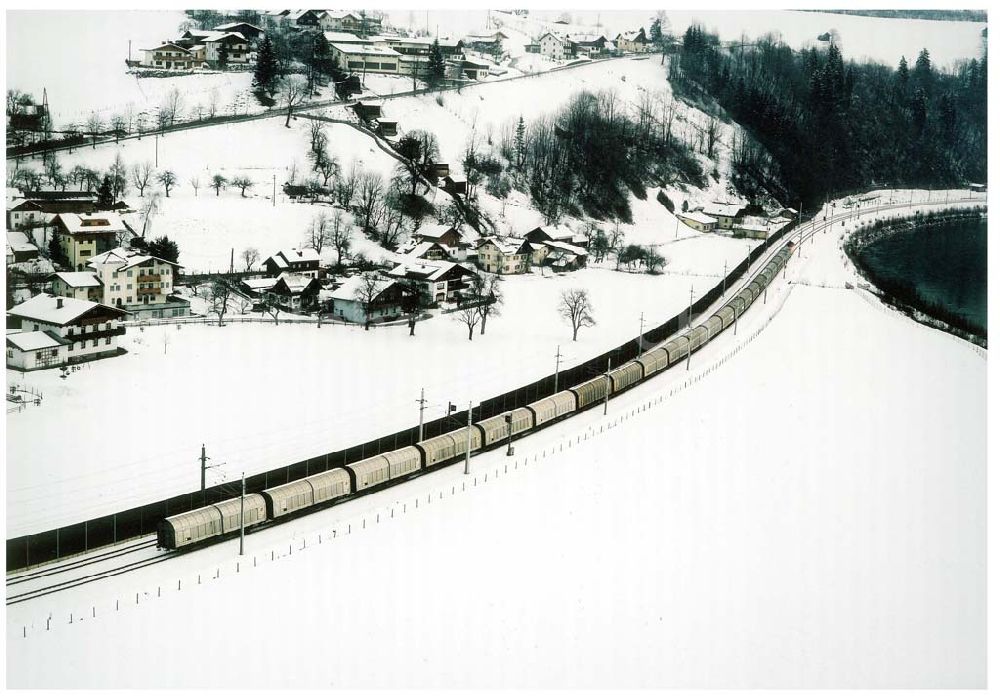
(387, 302)
(142, 284)
(698, 221)
(366, 58)
(555, 47)
(88, 330)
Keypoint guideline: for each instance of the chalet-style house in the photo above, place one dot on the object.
(199, 48)
(250, 32)
(439, 281)
(82, 236)
(141, 284)
(171, 55)
(591, 48)
(57, 330)
(555, 47)
(632, 42)
(388, 303)
(543, 234)
(297, 261)
(85, 286)
(504, 256)
(289, 290)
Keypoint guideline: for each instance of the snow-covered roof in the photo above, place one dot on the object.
(475, 62)
(260, 283)
(349, 289)
(28, 341)
(429, 270)
(214, 37)
(434, 232)
(366, 49)
(46, 307)
(19, 243)
(698, 217)
(168, 44)
(334, 14)
(231, 25)
(566, 247)
(126, 257)
(295, 283)
(346, 38)
(720, 209)
(298, 255)
(507, 246)
(98, 222)
(79, 279)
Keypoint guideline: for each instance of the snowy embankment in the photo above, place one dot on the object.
(787, 519)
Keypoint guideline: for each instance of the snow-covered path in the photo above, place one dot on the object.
(788, 520)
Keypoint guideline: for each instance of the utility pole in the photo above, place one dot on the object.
(203, 460)
(509, 418)
(243, 494)
(690, 306)
(468, 440)
(557, 370)
(421, 402)
(725, 271)
(607, 388)
(156, 155)
(677, 225)
(232, 253)
(274, 189)
(642, 320)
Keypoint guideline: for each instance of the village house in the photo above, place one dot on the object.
(590, 48)
(366, 58)
(427, 250)
(725, 214)
(299, 261)
(170, 55)
(249, 31)
(388, 303)
(632, 42)
(236, 48)
(58, 330)
(444, 234)
(21, 248)
(78, 285)
(82, 236)
(697, 220)
(439, 281)
(486, 43)
(474, 69)
(504, 256)
(289, 290)
(141, 284)
(555, 47)
(347, 38)
(332, 20)
(543, 234)
(304, 18)
(36, 208)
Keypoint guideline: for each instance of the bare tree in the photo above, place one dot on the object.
(469, 317)
(576, 309)
(347, 187)
(93, 127)
(340, 235)
(318, 233)
(118, 173)
(118, 124)
(367, 293)
(174, 104)
(150, 207)
(195, 183)
(213, 102)
(243, 182)
(249, 257)
(218, 183)
(141, 174)
(168, 179)
(292, 93)
(221, 291)
(269, 304)
(711, 136)
(486, 288)
(370, 190)
(411, 302)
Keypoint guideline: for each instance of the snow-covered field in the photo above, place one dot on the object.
(260, 396)
(786, 520)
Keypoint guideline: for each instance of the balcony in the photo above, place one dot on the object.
(148, 278)
(74, 337)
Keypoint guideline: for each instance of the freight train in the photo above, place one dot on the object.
(331, 486)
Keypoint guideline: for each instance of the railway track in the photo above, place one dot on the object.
(144, 558)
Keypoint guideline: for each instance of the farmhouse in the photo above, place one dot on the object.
(698, 221)
(21, 248)
(86, 331)
(169, 55)
(506, 256)
(300, 261)
(555, 47)
(725, 214)
(632, 42)
(388, 302)
(440, 281)
(247, 30)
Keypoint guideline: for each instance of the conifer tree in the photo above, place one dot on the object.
(436, 67)
(265, 74)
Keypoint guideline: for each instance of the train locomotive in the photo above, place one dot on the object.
(331, 486)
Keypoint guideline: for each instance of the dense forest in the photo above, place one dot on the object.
(830, 125)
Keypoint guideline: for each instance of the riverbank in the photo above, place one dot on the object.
(906, 295)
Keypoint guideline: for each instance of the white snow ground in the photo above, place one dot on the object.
(809, 513)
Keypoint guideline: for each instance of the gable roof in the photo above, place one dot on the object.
(128, 257)
(98, 222)
(721, 209)
(45, 308)
(79, 279)
(698, 217)
(427, 270)
(284, 258)
(27, 341)
(19, 243)
(170, 45)
(231, 25)
(507, 246)
(348, 290)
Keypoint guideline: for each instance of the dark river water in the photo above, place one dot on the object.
(946, 264)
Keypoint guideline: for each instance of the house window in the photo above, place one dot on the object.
(36, 326)
(93, 343)
(107, 341)
(38, 355)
